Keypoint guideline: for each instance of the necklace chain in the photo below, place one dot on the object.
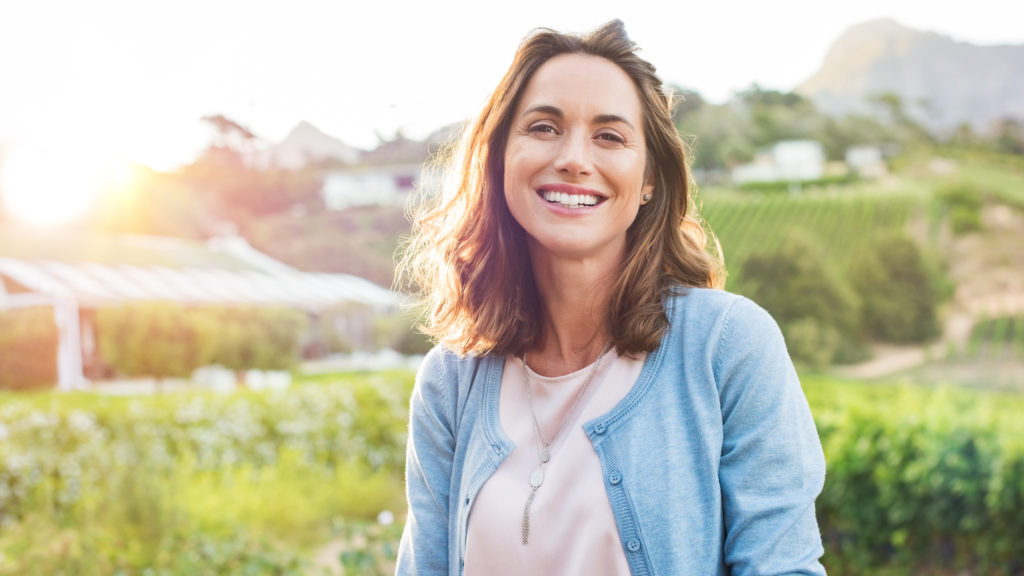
(544, 446)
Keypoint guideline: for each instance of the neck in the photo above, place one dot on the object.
(574, 298)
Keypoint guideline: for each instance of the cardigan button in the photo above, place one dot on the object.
(599, 428)
(633, 545)
(615, 478)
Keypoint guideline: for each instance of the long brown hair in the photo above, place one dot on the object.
(467, 254)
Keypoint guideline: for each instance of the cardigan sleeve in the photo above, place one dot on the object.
(772, 467)
(423, 550)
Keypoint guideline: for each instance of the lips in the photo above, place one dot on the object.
(570, 196)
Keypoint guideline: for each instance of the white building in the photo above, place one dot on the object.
(866, 161)
(786, 161)
(370, 185)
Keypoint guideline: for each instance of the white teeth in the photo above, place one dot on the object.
(570, 200)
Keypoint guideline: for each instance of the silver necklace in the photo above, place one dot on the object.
(544, 446)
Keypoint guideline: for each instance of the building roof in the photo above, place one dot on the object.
(166, 269)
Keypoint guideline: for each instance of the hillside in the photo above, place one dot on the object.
(960, 82)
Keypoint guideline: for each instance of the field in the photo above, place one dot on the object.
(842, 220)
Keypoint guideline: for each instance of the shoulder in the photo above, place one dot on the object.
(726, 325)
(717, 310)
(443, 376)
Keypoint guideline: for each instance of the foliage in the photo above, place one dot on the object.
(153, 203)
(779, 186)
(998, 338)
(920, 479)
(841, 224)
(165, 339)
(361, 241)
(400, 333)
(818, 313)
(196, 483)
(895, 288)
(28, 348)
(964, 204)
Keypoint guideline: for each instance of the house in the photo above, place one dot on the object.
(78, 275)
(866, 161)
(785, 161)
(387, 175)
(370, 185)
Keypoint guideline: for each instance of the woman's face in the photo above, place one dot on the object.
(575, 159)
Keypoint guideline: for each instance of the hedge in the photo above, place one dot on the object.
(197, 483)
(28, 348)
(920, 479)
(172, 340)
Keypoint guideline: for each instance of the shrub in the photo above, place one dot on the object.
(964, 204)
(196, 483)
(920, 480)
(898, 302)
(28, 348)
(817, 312)
(172, 340)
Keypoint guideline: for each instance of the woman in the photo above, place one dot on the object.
(594, 405)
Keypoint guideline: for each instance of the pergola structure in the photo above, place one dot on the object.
(251, 278)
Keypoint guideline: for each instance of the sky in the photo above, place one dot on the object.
(129, 80)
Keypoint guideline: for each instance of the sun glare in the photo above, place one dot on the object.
(48, 188)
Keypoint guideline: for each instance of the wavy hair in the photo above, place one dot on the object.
(467, 255)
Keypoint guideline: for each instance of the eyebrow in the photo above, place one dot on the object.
(557, 113)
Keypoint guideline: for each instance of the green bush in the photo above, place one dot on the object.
(817, 312)
(919, 480)
(779, 186)
(172, 340)
(196, 483)
(898, 302)
(28, 348)
(964, 204)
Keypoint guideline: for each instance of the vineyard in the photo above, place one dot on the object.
(996, 339)
(841, 222)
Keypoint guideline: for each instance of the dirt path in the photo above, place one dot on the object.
(988, 269)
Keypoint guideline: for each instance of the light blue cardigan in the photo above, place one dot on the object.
(711, 462)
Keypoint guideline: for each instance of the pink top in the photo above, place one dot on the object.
(572, 530)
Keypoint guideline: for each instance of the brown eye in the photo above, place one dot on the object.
(611, 137)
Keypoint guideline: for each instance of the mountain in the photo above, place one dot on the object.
(305, 144)
(959, 82)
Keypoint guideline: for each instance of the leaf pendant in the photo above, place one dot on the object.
(526, 518)
(537, 478)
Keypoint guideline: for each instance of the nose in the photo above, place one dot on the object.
(573, 154)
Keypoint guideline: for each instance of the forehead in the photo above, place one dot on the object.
(583, 83)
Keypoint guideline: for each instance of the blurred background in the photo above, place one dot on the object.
(205, 359)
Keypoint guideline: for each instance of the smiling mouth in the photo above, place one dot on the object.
(567, 200)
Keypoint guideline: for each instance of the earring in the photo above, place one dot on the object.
(647, 198)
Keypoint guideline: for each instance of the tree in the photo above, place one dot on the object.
(898, 299)
(817, 312)
(1009, 136)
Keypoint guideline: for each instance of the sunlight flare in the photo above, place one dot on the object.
(50, 186)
